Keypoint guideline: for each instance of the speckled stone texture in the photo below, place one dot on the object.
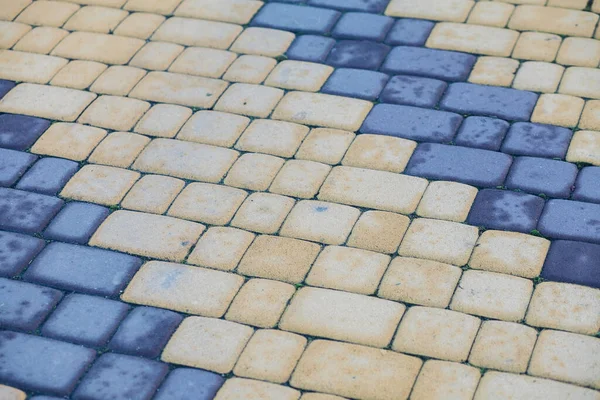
(25, 306)
(26, 212)
(19, 132)
(573, 262)
(16, 251)
(430, 63)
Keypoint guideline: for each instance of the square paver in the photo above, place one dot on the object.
(539, 175)
(362, 26)
(429, 9)
(47, 13)
(156, 56)
(590, 117)
(100, 184)
(95, 19)
(413, 91)
(13, 164)
(100, 47)
(250, 69)
(379, 152)
(71, 141)
(184, 382)
(78, 74)
(263, 212)
(300, 178)
(587, 185)
(203, 62)
(491, 14)
(538, 77)
(357, 54)
(112, 112)
(571, 220)
(76, 222)
(197, 32)
(262, 42)
(449, 201)
(537, 46)
(379, 231)
(249, 389)
(494, 71)
(25, 306)
(17, 251)
(253, 171)
(299, 75)
(482, 132)
(409, 32)
(583, 148)
(579, 256)
(235, 11)
(296, 18)
(221, 248)
(118, 80)
(272, 137)
(310, 48)
(253, 100)
(356, 83)
(139, 25)
(558, 109)
(40, 40)
(48, 176)
(537, 140)
(19, 132)
(214, 128)
(119, 149)
(26, 212)
(153, 194)
(439, 379)
(324, 145)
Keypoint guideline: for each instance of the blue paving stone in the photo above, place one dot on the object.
(16, 251)
(5, 87)
(505, 210)
(526, 139)
(373, 6)
(587, 185)
(310, 48)
(357, 83)
(571, 220)
(46, 398)
(482, 132)
(119, 377)
(357, 54)
(187, 383)
(19, 132)
(76, 222)
(24, 306)
(362, 26)
(42, 365)
(573, 262)
(409, 32)
(26, 212)
(82, 269)
(12, 165)
(542, 176)
(413, 91)
(145, 332)
(48, 176)
(295, 18)
(412, 123)
(430, 63)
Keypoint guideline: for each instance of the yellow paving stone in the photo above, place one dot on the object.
(447, 200)
(29, 67)
(163, 120)
(263, 42)
(78, 74)
(590, 118)
(581, 52)
(113, 112)
(299, 178)
(249, 389)
(119, 149)
(584, 147)
(214, 127)
(203, 62)
(11, 33)
(536, 46)
(323, 110)
(342, 316)
(139, 25)
(221, 248)
(272, 137)
(108, 49)
(40, 40)
(566, 307)
(270, 355)
(100, 184)
(254, 171)
(596, 6)
(104, 3)
(263, 212)
(47, 13)
(436, 10)
(185, 160)
(436, 333)
(325, 145)
(475, 39)
(95, 19)
(348, 269)
(72, 141)
(538, 76)
(423, 282)
(9, 9)
(319, 396)
(253, 100)
(379, 231)
(576, 4)
(279, 258)
(207, 343)
(196, 32)
(165, 7)
(208, 203)
(156, 56)
(379, 152)
(560, 21)
(490, 14)
(299, 75)
(250, 69)
(235, 11)
(260, 302)
(583, 82)
(10, 393)
(496, 71)
(558, 109)
(567, 357)
(153, 194)
(373, 189)
(440, 380)
(118, 80)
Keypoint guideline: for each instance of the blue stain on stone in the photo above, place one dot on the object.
(321, 209)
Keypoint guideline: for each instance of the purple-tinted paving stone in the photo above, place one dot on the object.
(412, 123)
(359, 83)
(187, 383)
(5, 87)
(24, 306)
(571, 220)
(373, 6)
(526, 139)
(542, 176)
(310, 48)
(13, 164)
(471, 166)
(42, 365)
(430, 63)
(48, 176)
(295, 18)
(82, 269)
(76, 222)
(587, 185)
(19, 132)
(17, 251)
(26, 212)
(290, 1)
(573, 262)
(505, 210)
(482, 132)
(145, 332)
(45, 398)
(362, 26)
(409, 32)
(413, 91)
(357, 54)
(119, 377)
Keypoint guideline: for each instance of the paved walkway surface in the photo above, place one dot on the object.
(299, 199)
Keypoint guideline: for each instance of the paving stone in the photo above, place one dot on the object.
(296, 18)
(584, 148)
(495, 71)
(537, 46)
(558, 109)
(449, 201)
(409, 32)
(310, 48)
(374, 6)
(203, 62)
(571, 220)
(250, 69)
(491, 14)
(430, 63)
(16, 251)
(248, 389)
(156, 56)
(587, 185)
(456, 11)
(539, 77)
(202, 125)
(221, 248)
(573, 82)
(362, 26)
(118, 80)
(19, 132)
(100, 47)
(443, 379)
(25, 306)
(114, 112)
(420, 92)
(158, 7)
(29, 67)
(139, 25)
(378, 231)
(10, 393)
(252, 100)
(95, 19)
(300, 178)
(184, 382)
(253, 171)
(299, 75)
(67, 140)
(153, 193)
(13, 32)
(26, 212)
(100, 184)
(326, 146)
(47, 13)
(477, 39)
(271, 137)
(263, 42)
(5, 87)
(379, 152)
(482, 132)
(13, 9)
(13, 164)
(537, 140)
(76, 222)
(48, 176)
(29, 362)
(119, 149)
(572, 262)
(196, 32)
(357, 54)
(538, 175)
(590, 118)
(235, 11)
(319, 396)
(78, 74)
(357, 83)
(263, 212)
(566, 22)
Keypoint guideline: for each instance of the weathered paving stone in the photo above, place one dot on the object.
(357, 54)
(505, 210)
(12, 165)
(16, 251)
(573, 262)
(76, 222)
(45, 398)
(19, 132)
(413, 91)
(48, 176)
(587, 185)
(40, 364)
(310, 48)
(571, 220)
(83, 269)
(539, 175)
(362, 26)
(25, 306)
(296, 18)
(373, 6)
(409, 32)
(357, 83)
(26, 212)
(482, 132)
(526, 139)
(472, 166)
(5, 87)
(188, 383)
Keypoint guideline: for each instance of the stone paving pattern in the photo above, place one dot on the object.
(299, 199)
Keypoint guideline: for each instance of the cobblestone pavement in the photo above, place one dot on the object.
(299, 199)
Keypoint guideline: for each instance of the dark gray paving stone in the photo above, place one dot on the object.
(13, 164)
(430, 63)
(295, 18)
(373, 6)
(48, 176)
(358, 83)
(187, 383)
(19, 132)
(412, 123)
(145, 332)
(527, 139)
(82, 269)
(26, 212)
(76, 222)
(41, 365)
(587, 185)
(573, 262)
(409, 32)
(5, 87)
(17, 251)
(119, 377)
(571, 220)
(310, 48)
(24, 306)
(505, 210)
(362, 26)
(357, 54)
(413, 91)
(542, 176)
(482, 132)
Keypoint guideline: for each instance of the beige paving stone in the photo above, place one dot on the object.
(299, 75)
(108, 49)
(447, 200)
(186, 160)
(29, 67)
(263, 212)
(235, 11)
(119, 149)
(590, 118)
(270, 355)
(156, 56)
(567, 357)
(105, 3)
(214, 127)
(379, 152)
(475, 39)
(436, 10)
(576, 4)
(436, 333)
(196, 32)
(250, 69)
(537, 46)
(254, 171)
(100, 184)
(348, 269)
(248, 389)
(139, 25)
(208, 203)
(272, 137)
(323, 110)
(342, 316)
(279, 258)
(325, 145)
(207, 343)
(112, 112)
(583, 82)
(561, 21)
(581, 52)
(203, 62)
(95, 19)
(373, 189)
(355, 371)
(11, 8)
(72, 141)
(11, 33)
(538, 76)
(378, 231)
(423, 282)
(47, 13)
(299, 178)
(40, 40)
(163, 120)
(153, 194)
(260, 302)
(596, 6)
(10, 393)
(263, 42)
(253, 100)
(118, 80)
(496, 71)
(443, 380)
(558, 109)
(319, 396)
(221, 248)
(491, 14)
(584, 147)
(78, 74)
(165, 7)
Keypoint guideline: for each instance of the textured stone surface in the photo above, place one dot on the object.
(357, 54)
(357, 83)
(16, 251)
(572, 262)
(296, 19)
(13, 164)
(26, 212)
(539, 175)
(48, 176)
(19, 132)
(420, 92)
(587, 185)
(184, 382)
(571, 220)
(482, 132)
(310, 48)
(526, 139)
(409, 32)
(363, 26)
(25, 306)
(76, 222)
